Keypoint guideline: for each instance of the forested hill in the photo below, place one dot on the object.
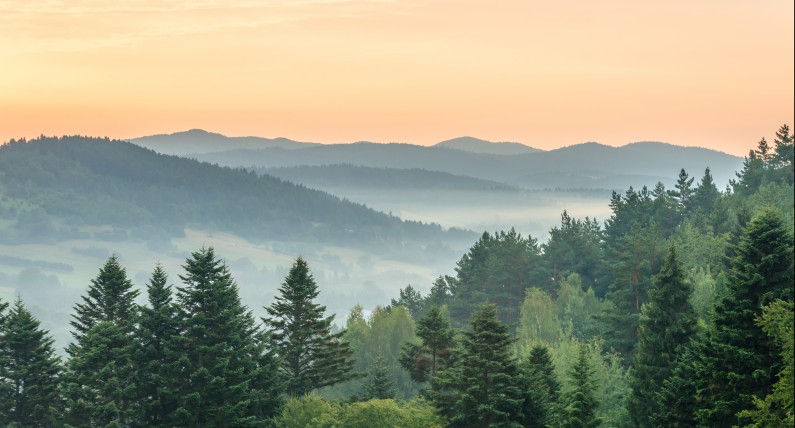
(57, 186)
(346, 175)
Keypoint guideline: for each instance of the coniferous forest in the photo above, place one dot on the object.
(676, 311)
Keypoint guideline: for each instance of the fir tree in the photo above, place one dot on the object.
(110, 297)
(581, 404)
(542, 389)
(311, 356)
(221, 360)
(675, 403)
(683, 190)
(485, 386)
(29, 372)
(666, 323)
(424, 360)
(738, 361)
(378, 385)
(156, 352)
(706, 195)
(100, 380)
(783, 157)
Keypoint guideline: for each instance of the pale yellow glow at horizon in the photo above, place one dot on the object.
(717, 74)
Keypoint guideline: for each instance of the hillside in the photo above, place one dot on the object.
(56, 188)
(476, 145)
(346, 175)
(588, 165)
(196, 141)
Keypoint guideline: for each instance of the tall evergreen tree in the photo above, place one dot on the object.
(29, 372)
(424, 360)
(667, 322)
(110, 297)
(311, 355)
(675, 403)
(784, 153)
(221, 362)
(706, 195)
(542, 389)
(378, 385)
(684, 190)
(485, 385)
(581, 404)
(100, 380)
(156, 352)
(738, 361)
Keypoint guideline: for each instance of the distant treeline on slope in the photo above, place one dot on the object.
(64, 183)
(348, 175)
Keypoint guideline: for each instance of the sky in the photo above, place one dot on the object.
(710, 73)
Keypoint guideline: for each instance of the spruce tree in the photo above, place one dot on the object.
(312, 357)
(485, 384)
(221, 354)
(29, 372)
(667, 322)
(581, 404)
(424, 360)
(378, 385)
(738, 360)
(110, 297)
(100, 380)
(542, 389)
(675, 403)
(156, 352)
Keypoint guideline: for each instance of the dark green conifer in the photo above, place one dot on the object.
(29, 371)
(379, 384)
(221, 354)
(581, 404)
(424, 360)
(100, 380)
(156, 352)
(667, 322)
(110, 297)
(486, 389)
(312, 357)
(542, 389)
(738, 361)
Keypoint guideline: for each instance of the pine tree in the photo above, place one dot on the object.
(783, 157)
(581, 404)
(667, 322)
(424, 360)
(706, 195)
(156, 352)
(100, 380)
(738, 361)
(29, 372)
(311, 356)
(542, 389)
(110, 297)
(683, 191)
(378, 385)
(222, 353)
(485, 385)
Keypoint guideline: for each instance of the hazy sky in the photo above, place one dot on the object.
(713, 73)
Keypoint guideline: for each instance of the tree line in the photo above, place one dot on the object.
(677, 311)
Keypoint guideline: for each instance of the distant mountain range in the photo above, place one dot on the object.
(197, 141)
(476, 145)
(55, 188)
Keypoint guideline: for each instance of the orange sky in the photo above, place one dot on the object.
(712, 73)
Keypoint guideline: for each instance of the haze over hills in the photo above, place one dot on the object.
(588, 165)
(199, 141)
(476, 145)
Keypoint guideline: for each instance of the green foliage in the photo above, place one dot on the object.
(777, 408)
(423, 361)
(227, 378)
(410, 299)
(737, 361)
(484, 388)
(577, 308)
(667, 322)
(539, 320)
(497, 269)
(30, 372)
(379, 384)
(581, 401)
(311, 411)
(575, 248)
(156, 350)
(541, 406)
(312, 357)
